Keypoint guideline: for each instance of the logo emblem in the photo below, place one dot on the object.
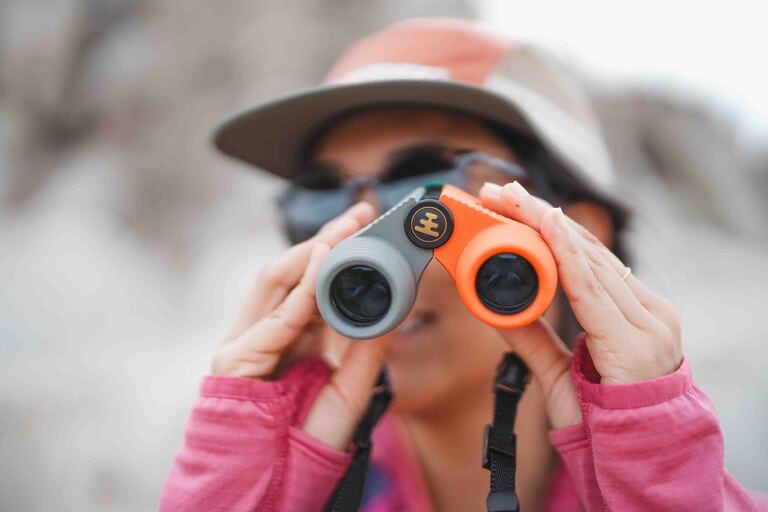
(429, 224)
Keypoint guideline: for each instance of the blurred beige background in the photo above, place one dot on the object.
(127, 244)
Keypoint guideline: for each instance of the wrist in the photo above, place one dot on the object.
(647, 373)
(592, 390)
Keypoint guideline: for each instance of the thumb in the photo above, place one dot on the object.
(343, 401)
(549, 360)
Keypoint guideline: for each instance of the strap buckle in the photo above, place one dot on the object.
(499, 440)
(498, 444)
(511, 375)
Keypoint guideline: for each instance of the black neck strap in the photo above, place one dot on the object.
(349, 492)
(499, 451)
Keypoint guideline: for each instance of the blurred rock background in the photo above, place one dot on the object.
(127, 244)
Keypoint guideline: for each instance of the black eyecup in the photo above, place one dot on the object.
(505, 309)
(346, 310)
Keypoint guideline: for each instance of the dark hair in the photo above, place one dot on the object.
(561, 185)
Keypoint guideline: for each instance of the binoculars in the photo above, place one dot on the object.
(503, 270)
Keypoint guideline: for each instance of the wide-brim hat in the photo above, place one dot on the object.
(441, 63)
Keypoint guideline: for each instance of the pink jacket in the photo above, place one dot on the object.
(654, 445)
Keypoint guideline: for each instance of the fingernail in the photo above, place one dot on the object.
(518, 190)
(339, 224)
(491, 190)
(355, 207)
(560, 219)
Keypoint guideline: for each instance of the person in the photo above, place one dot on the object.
(612, 418)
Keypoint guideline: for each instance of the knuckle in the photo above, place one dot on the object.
(282, 317)
(305, 289)
(589, 236)
(675, 325)
(597, 257)
(268, 276)
(576, 298)
(221, 362)
(670, 315)
(656, 331)
(593, 286)
(328, 226)
(572, 248)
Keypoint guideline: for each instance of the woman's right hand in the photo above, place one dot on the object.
(280, 323)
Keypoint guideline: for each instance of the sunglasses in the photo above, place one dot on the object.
(320, 194)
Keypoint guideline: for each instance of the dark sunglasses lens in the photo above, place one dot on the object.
(306, 211)
(418, 162)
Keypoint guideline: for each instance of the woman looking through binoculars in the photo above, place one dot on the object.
(611, 420)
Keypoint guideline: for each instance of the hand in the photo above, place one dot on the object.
(632, 334)
(280, 323)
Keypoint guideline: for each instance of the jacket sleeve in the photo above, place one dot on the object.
(244, 450)
(653, 445)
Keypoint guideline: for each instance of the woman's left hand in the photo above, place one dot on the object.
(632, 334)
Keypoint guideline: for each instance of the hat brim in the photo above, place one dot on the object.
(272, 135)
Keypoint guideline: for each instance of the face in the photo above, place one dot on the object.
(440, 350)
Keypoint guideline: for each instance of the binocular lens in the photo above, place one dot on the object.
(506, 283)
(361, 294)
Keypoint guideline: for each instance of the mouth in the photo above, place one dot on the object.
(416, 323)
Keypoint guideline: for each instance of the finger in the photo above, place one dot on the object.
(277, 279)
(616, 287)
(549, 360)
(593, 307)
(346, 396)
(515, 202)
(358, 371)
(308, 343)
(654, 304)
(284, 273)
(283, 326)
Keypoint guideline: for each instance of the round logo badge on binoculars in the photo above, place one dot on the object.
(429, 224)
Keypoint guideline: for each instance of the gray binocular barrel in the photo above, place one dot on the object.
(365, 288)
(367, 284)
